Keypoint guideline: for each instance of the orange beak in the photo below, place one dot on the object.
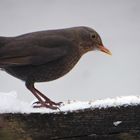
(105, 50)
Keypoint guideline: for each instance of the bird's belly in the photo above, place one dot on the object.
(49, 73)
(45, 72)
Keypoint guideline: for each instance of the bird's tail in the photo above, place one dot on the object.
(3, 42)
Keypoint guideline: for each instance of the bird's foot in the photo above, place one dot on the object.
(51, 103)
(47, 104)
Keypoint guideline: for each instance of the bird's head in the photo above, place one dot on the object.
(90, 40)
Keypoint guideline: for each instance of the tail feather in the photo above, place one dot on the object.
(3, 42)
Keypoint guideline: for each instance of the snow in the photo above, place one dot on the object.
(117, 123)
(9, 103)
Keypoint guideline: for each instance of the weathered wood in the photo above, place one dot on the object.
(88, 124)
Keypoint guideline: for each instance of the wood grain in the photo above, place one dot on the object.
(88, 124)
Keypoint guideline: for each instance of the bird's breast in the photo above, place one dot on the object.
(45, 72)
(57, 68)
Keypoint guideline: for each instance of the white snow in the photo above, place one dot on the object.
(9, 103)
(117, 123)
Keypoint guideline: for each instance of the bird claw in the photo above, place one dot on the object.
(47, 106)
(51, 105)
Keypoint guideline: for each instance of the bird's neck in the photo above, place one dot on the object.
(83, 49)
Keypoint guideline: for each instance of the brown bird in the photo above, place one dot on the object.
(47, 55)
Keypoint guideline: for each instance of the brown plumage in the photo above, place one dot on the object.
(46, 55)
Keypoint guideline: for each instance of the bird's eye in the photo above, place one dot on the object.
(93, 36)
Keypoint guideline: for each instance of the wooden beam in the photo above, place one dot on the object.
(115, 123)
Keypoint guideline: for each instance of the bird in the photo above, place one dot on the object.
(47, 55)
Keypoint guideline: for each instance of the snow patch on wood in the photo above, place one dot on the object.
(9, 103)
(117, 123)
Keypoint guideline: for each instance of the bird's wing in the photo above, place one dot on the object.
(34, 52)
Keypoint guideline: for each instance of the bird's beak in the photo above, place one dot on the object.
(105, 50)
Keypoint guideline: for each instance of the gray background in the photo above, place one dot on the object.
(96, 75)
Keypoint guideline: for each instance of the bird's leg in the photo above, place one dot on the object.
(47, 100)
(31, 87)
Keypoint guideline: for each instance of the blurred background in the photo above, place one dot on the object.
(96, 75)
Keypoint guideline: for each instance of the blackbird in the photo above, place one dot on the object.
(47, 55)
